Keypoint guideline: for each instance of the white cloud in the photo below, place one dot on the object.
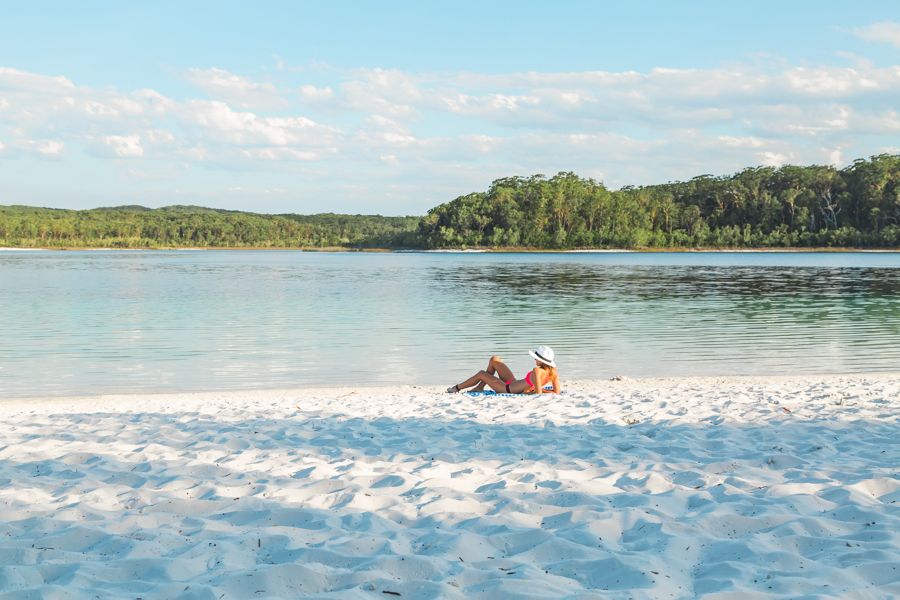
(33, 82)
(50, 147)
(886, 32)
(398, 139)
(699, 85)
(45, 148)
(453, 132)
(740, 142)
(491, 104)
(784, 120)
(235, 89)
(154, 102)
(659, 98)
(247, 128)
(888, 121)
(482, 143)
(772, 159)
(835, 157)
(315, 94)
(160, 136)
(838, 82)
(384, 92)
(278, 154)
(125, 146)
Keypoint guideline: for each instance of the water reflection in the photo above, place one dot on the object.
(85, 322)
(649, 283)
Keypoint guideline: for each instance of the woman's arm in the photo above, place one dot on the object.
(556, 388)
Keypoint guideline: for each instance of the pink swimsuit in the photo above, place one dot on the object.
(527, 380)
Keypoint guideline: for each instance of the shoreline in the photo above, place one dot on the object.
(511, 250)
(439, 390)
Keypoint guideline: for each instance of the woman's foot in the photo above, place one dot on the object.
(453, 389)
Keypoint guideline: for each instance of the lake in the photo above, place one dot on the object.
(92, 322)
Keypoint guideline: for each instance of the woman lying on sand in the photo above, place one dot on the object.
(501, 379)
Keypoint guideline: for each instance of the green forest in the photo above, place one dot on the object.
(197, 227)
(789, 206)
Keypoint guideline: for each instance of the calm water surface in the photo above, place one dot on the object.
(99, 322)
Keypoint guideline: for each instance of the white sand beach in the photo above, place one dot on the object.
(657, 488)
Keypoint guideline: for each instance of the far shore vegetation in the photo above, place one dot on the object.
(760, 207)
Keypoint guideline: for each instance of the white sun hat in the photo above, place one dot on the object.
(543, 354)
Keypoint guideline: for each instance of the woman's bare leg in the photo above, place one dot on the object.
(482, 378)
(498, 367)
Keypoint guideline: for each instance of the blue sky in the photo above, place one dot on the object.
(393, 107)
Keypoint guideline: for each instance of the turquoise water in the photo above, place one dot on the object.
(109, 321)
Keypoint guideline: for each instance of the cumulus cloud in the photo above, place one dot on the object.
(49, 147)
(241, 128)
(381, 91)
(312, 93)
(740, 142)
(887, 32)
(235, 89)
(438, 132)
(44, 148)
(125, 146)
(660, 98)
(839, 82)
(14, 79)
(278, 154)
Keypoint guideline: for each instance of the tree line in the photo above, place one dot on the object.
(790, 206)
(757, 207)
(192, 226)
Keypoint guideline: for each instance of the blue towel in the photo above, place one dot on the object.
(493, 393)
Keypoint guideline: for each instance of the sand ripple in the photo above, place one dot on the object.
(672, 488)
